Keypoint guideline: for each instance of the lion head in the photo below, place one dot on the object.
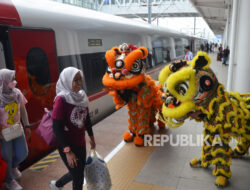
(187, 85)
(126, 68)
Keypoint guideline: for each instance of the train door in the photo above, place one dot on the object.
(2, 58)
(35, 61)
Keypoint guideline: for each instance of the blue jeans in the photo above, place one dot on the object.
(13, 153)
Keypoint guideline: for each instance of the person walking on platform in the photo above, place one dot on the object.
(188, 54)
(220, 53)
(12, 111)
(207, 47)
(225, 55)
(202, 47)
(70, 119)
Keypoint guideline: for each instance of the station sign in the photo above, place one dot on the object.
(94, 42)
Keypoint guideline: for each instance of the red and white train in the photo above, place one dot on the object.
(40, 38)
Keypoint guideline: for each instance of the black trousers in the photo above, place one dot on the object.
(75, 174)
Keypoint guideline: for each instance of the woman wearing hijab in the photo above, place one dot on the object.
(12, 110)
(70, 119)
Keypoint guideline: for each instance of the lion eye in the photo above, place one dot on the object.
(119, 64)
(182, 88)
(206, 83)
(136, 67)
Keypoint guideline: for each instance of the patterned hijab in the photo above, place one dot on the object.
(7, 95)
(64, 88)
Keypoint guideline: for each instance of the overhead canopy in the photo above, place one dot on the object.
(215, 12)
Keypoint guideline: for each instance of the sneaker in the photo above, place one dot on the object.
(52, 185)
(13, 185)
(16, 173)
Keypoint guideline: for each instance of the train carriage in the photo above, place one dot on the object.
(40, 38)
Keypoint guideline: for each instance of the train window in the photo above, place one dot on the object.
(94, 67)
(2, 57)
(166, 54)
(148, 61)
(179, 47)
(158, 55)
(68, 61)
(38, 71)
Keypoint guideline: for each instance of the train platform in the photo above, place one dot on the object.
(164, 167)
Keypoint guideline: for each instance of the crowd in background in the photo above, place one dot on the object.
(222, 55)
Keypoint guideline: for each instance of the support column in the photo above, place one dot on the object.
(242, 77)
(232, 46)
(149, 11)
(194, 25)
(229, 15)
(226, 38)
(172, 45)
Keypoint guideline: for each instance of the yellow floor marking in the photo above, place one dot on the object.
(55, 156)
(46, 161)
(38, 167)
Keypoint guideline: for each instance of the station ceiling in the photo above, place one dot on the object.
(214, 12)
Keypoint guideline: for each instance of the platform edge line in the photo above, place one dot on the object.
(114, 151)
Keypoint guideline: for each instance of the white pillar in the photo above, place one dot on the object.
(229, 22)
(232, 44)
(226, 32)
(242, 71)
(149, 11)
(172, 51)
(224, 37)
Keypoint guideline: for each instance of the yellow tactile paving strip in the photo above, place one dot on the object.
(45, 162)
(126, 165)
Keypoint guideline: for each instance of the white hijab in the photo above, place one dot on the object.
(7, 95)
(64, 88)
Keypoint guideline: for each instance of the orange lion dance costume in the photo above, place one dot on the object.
(127, 83)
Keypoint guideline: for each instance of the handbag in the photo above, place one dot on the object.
(96, 173)
(11, 132)
(45, 128)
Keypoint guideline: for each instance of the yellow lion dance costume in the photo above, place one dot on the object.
(192, 90)
(127, 83)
